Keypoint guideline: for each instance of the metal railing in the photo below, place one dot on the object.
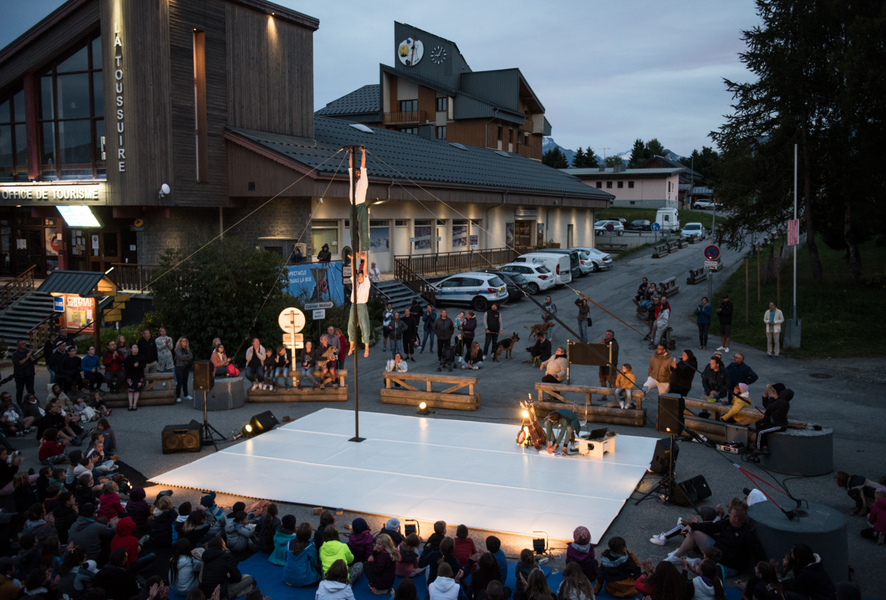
(128, 276)
(411, 116)
(18, 287)
(451, 262)
(415, 281)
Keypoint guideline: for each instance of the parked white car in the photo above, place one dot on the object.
(617, 227)
(598, 259)
(538, 277)
(560, 264)
(703, 205)
(696, 229)
(477, 289)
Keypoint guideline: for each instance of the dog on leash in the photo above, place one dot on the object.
(506, 346)
(534, 330)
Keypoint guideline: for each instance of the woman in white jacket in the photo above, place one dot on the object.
(335, 584)
(184, 568)
(773, 318)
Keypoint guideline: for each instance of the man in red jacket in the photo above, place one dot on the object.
(124, 539)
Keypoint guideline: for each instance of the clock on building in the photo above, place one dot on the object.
(438, 55)
(410, 51)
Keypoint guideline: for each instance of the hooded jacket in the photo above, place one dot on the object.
(282, 537)
(219, 568)
(683, 374)
(301, 568)
(702, 588)
(138, 509)
(90, 535)
(110, 507)
(381, 570)
(77, 582)
(333, 550)
(240, 537)
(445, 588)
(877, 516)
(187, 575)
(124, 539)
(618, 573)
(812, 581)
(118, 583)
(777, 408)
(360, 544)
(161, 529)
(660, 367)
(334, 590)
(583, 554)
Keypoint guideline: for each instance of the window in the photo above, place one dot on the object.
(13, 138)
(401, 223)
(441, 132)
(442, 104)
(599, 185)
(408, 106)
(608, 185)
(630, 185)
(412, 130)
(324, 232)
(621, 184)
(200, 120)
(71, 114)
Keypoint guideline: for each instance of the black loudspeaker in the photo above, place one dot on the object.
(691, 491)
(181, 438)
(662, 458)
(670, 415)
(204, 376)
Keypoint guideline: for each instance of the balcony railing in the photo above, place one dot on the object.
(132, 277)
(452, 262)
(18, 287)
(403, 118)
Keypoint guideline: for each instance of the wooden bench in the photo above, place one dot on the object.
(669, 287)
(697, 276)
(306, 394)
(682, 243)
(660, 250)
(610, 247)
(716, 428)
(159, 390)
(608, 413)
(694, 239)
(450, 397)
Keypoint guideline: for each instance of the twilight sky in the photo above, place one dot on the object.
(607, 72)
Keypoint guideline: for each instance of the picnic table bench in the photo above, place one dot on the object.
(452, 397)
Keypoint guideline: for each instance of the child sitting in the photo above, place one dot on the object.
(740, 399)
(619, 569)
(110, 506)
(282, 538)
(282, 368)
(439, 533)
(493, 546)
(877, 518)
(240, 534)
(381, 565)
(581, 551)
(360, 541)
(407, 565)
(270, 364)
(52, 448)
(464, 546)
(524, 568)
(624, 385)
(137, 509)
(99, 406)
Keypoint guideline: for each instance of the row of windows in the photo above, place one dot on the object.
(621, 184)
(412, 105)
(440, 132)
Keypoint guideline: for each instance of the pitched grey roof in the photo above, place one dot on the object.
(608, 171)
(668, 161)
(71, 282)
(404, 156)
(365, 100)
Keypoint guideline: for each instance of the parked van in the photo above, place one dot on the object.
(574, 259)
(558, 264)
(667, 218)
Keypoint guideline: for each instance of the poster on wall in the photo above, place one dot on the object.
(379, 240)
(541, 234)
(53, 241)
(78, 312)
(510, 235)
(459, 236)
(316, 282)
(475, 241)
(422, 238)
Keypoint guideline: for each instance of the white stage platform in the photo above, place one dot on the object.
(426, 469)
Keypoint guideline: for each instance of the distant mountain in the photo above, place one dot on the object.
(548, 143)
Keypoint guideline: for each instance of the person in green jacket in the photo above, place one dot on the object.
(333, 549)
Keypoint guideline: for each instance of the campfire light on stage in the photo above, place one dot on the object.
(540, 544)
(525, 414)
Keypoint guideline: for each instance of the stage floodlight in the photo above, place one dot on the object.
(423, 408)
(410, 526)
(259, 424)
(540, 544)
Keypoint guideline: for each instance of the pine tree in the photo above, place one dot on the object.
(578, 159)
(590, 159)
(555, 158)
(637, 153)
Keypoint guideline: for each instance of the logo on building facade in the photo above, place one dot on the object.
(118, 82)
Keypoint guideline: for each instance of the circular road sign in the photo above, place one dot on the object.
(291, 320)
(712, 252)
(655, 227)
(610, 227)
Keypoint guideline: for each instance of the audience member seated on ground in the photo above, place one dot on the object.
(220, 361)
(568, 427)
(265, 536)
(444, 586)
(624, 386)
(733, 537)
(240, 534)
(54, 419)
(715, 380)
(195, 529)
(89, 534)
(438, 535)
(406, 590)
(76, 575)
(493, 546)
(23, 493)
(619, 569)
(43, 531)
(486, 571)
(522, 569)
(764, 585)
(113, 361)
(575, 584)
(326, 519)
(220, 569)
(162, 523)
(9, 587)
(381, 565)
(663, 582)
(333, 550)
(109, 503)
(707, 513)
(541, 350)
(105, 463)
(392, 529)
(84, 489)
(407, 566)
(473, 358)
(360, 541)
(65, 514)
(336, 583)
(8, 471)
(91, 367)
(682, 373)
(860, 489)
(877, 518)
(581, 552)
(708, 584)
(810, 580)
(115, 579)
(135, 561)
(184, 568)
(302, 565)
(555, 367)
(777, 402)
(434, 558)
(13, 420)
(97, 404)
(464, 545)
(282, 538)
(537, 587)
(52, 448)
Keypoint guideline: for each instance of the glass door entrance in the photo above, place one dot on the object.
(104, 249)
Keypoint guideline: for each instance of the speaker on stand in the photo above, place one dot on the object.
(204, 381)
(181, 438)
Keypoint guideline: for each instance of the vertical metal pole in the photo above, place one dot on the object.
(747, 291)
(713, 241)
(354, 233)
(96, 332)
(794, 308)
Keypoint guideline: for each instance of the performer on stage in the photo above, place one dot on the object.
(569, 427)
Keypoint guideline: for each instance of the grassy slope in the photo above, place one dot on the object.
(838, 320)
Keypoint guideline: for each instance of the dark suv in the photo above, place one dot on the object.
(514, 281)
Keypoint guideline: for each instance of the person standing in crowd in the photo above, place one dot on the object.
(444, 328)
(398, 329)
(374, 274)
(295, 257)
(164, 352)
(659, 372)
(682, 373)
(605, 372)
(70, 372)
(183, 359)
(324, 255)
(113, 361)
(134, 367)
(548, 314)
(468, 330)
(428, 318)
(641, 292)
(147, 348)
(54, 361)
(703, 319)
(410, 334)
(584, 319)
(360, 296)
(724, 314)
(255, 370)
(494, 326)
(122, 346)
(555, 367)
(333, 341)
(342, 348)
(661, 322)
(773, 318)
(386, 317)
